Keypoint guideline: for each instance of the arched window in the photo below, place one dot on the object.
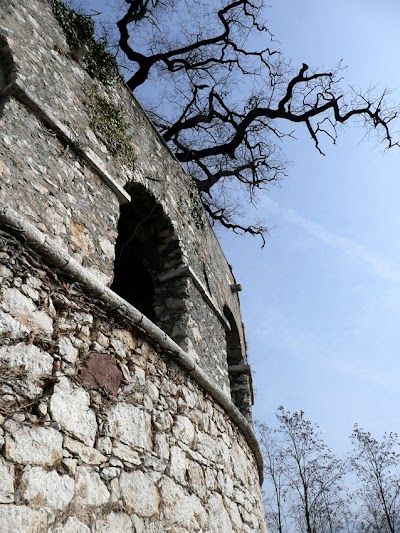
(238, 370)
(145, 245)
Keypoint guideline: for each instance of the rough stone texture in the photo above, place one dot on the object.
(139, 493)
(89, 489)
(115, 523)
(87, 455)
(180, 508)
(69, 406)
(23, 309)
(7, 482)
(32, 445)
(159, 456)
(148, 450)
(218, 517)
(130, 425)
(46, 489)
(11, 328)
(72, 525)
(22, 519)
(31, 363)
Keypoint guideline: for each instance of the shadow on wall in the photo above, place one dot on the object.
(238, 369)
(7, 72)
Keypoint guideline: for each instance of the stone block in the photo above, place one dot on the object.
(11, 328)
(177, 464)
(26, 312)
(131, 425)
(46, 489)
(101, 371)
(6, 482)
(69, 406)
(72, 525)
(125, 453)
(181, 509)
(40, 446)
(104, 445)
(218, 518)
(234, 514)
(32, 362)
(115, 523)
(22, 519)
(89, 488)
(67, 350)
(139, 493)
(183, 430)
(87, 455)
(196, 479)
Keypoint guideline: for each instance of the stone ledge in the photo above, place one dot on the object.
(14, 221)
(187, 271)
(25, 96)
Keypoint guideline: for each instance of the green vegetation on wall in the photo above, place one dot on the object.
(108, 121)
(79, 31)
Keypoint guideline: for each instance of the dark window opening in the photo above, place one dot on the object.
(234, 348)
(137, 262)
(132, 280)
(238, 370)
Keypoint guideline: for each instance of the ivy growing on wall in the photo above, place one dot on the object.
(108, 121)
(194, 206)
(79, 31)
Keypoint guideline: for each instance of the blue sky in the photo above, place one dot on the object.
(321, 301)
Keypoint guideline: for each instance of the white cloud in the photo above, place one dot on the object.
(378, 265)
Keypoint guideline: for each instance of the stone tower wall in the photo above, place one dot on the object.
(106, 422)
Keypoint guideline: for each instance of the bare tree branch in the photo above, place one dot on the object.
(225, 107)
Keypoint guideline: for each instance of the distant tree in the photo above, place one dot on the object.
(377, 466)
(304, 490)
(275, 476)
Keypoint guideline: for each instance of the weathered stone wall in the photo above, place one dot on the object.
(100, 430)
(51, 186)
(49, 180)
(106, 424)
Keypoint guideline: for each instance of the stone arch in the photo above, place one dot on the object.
(238, 369)
(146, 250)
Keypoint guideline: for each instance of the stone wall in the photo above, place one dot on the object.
(106, 421)
(59, 172)
(100, 429)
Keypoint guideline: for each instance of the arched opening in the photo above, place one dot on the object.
(144, 246)
(238, 370)
(132, 280)
(136, 264)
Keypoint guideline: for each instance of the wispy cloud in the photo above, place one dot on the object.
(376, 264)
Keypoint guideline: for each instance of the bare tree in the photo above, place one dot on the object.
(224, 98)
(276, 479)
(224, 103)
(377, 466)
(304, 479)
